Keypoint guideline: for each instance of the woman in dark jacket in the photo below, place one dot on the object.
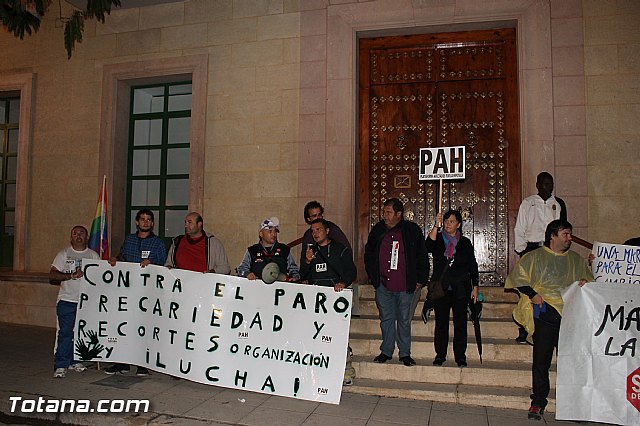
(454, 264)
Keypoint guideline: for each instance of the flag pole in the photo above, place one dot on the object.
(440, 197)
(102, 218)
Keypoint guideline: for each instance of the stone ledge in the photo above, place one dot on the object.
(35, 277)
(486, 396)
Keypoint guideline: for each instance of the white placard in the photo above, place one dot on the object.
(447, 162)
(616, 263)
(280, 339)
(598, 375)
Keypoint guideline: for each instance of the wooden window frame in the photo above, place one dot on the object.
(114, 131)
(165, 115)
(24, 84)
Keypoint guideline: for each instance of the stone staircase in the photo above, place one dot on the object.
(503, 380)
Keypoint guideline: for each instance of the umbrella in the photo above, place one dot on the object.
(475, 312)
(426, 309)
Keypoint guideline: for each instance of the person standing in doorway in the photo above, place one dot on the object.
(396, 261)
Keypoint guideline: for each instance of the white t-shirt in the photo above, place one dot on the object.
(66, 261)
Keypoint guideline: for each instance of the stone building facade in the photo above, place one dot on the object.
(275, 113)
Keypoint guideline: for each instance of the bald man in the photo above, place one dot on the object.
(197, 251)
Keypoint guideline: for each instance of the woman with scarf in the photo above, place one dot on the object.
(455, 266)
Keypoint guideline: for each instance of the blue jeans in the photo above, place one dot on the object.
(66, 312)
(395, 320)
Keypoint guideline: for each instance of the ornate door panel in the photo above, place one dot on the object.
(403, 119)
(471, 114)
(437, 90)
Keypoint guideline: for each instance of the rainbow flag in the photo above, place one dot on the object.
(99, 237)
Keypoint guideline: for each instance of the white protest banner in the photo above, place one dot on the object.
(281, 339)
(446, 162)
(598, 375)
(616, 263)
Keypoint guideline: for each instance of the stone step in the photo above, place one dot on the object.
(489, 309)
(368, 345)
(486, 396)
(491, 294)
(503, 380)
(489, 373)
(490, 327)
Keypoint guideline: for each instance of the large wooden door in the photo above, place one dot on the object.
(443, 90)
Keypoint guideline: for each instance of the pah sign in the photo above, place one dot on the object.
(447, 162)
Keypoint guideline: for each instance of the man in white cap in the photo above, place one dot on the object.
(266, 251)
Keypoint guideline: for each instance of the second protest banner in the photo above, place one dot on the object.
(616, 263)
(598, 375)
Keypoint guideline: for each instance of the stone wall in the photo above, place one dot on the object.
(612, 79)
(28, 299)
(251, 117)
(280, 121)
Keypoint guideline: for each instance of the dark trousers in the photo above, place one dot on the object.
(530, 247)
(442, 307)
(545, 340)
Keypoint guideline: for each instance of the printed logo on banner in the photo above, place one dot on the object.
(598, 343)
(633, 388)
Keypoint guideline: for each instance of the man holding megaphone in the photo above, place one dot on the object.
(268, 250)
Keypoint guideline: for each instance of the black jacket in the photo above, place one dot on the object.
(332, 264)
(463, 272)
(415, 253)
(278, 253)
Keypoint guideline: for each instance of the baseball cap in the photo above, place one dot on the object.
(270, 223)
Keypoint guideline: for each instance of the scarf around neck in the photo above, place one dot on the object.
(450, 243)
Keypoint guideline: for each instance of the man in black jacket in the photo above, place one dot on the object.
(396, 261)
(327, 262)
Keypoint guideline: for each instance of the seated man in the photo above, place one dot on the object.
(312, 211)
(329, 263)
(268, 250)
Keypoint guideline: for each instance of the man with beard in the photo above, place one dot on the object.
(197, 251)
(143, 247)
(540, 276)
